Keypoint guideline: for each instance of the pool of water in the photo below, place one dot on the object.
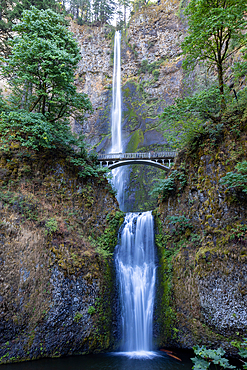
(112, 361)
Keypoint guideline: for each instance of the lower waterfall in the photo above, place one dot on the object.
(136, 272)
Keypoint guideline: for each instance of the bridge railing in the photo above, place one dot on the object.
(149, 155)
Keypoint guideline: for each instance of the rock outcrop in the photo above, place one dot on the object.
(57, 233)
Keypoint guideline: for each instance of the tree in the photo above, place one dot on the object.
(125, 4)
(11, 13)
(40, 70)
(216, 31)
(103, 10)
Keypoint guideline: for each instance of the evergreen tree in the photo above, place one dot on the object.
(103, 10)
(11, 13)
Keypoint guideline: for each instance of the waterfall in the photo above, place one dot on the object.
(135, 266)
(118, 174)
(116, 97)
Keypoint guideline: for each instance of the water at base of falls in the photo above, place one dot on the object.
(136, 272)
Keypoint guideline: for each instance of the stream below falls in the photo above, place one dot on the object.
(106, 361)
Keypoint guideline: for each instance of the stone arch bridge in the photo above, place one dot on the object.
(162, 160)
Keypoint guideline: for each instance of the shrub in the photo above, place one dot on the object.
(77, 317)
(236, 179)
(204, 357)
(242, 350)
(177, 179)
(91, 310)
(51, 226)
(156, 74)
(181, 223)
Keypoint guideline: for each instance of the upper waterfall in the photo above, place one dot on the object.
(116, 97)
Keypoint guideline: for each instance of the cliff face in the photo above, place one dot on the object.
(57, 232)
(202, 244)
(151, 78)
(151, 75)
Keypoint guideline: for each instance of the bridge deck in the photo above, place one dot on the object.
(150, 155)
(161, 160)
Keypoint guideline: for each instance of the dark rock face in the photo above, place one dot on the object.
(223, 303)
(203, 253)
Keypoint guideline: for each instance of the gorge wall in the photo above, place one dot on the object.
(57, 233)
(202, 244)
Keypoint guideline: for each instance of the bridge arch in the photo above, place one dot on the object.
(138, 161)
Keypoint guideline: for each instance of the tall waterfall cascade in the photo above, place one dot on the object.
(135, 255)
(136, 271)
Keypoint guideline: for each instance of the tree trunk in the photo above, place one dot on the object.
(221, 85)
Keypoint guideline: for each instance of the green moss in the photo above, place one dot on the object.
(165, 311)
(136, 139)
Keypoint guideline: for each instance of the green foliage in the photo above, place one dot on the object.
(105, 244)
(242, 346)
(165, 187)
(238, 233)
(176, 180)
(195, 239)
(156, 74)
(25, 206)
(91, 310)
(32, 131)
(237, 179)
(150, 68)
(78, 316)
(41, 73)
(181, 223)
(51, 226)
(186, 120)
(204, 357)
(216, 31)
(103, 10)
(11, 12)
(41, 68)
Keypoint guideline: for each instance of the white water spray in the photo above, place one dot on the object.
(135, 265)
